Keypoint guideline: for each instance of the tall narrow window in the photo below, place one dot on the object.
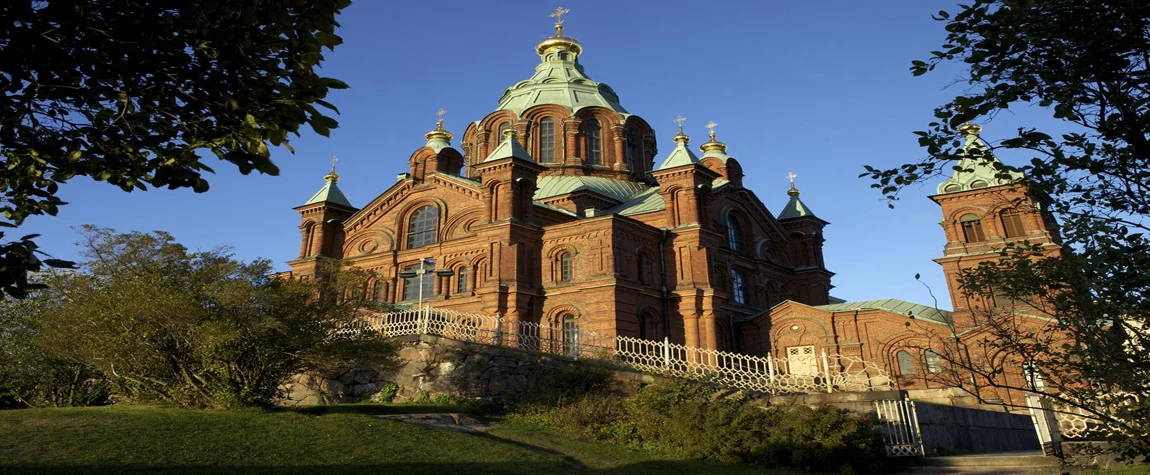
(1033, 376)
(1012, 224)
(377, 291)
(734, 233)
(565, 267)
(421, 285)
(641, 267)
(629, 154)
(594, 143)
(905, 363)
(738, 286)
(503, 128)
(570, 335)
(972, 228)
(422, 226)
(461, 280)
(547, 140)
(933, 362)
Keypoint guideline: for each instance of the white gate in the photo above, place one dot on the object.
(899, 427)
(801, 361)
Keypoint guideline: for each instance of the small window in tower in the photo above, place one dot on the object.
(972, 228)
(594, 143)
(978, 184)
(641, 267)
(951, 188)
(563, 56)
(734, 233)
(629, 154)
(1012, 224)
(461, 280)
(738, 287)
(905, 363)
(503, 128)
(547, 140)
(566, 268)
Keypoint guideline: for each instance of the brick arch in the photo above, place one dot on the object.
(403, 217)
(552, 317)
(608, 119)
(369, 242)
(459, 224)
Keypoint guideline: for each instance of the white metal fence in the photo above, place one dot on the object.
(898, 423)
(820, 373)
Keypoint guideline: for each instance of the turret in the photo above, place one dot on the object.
(684, 182)
(321, 218)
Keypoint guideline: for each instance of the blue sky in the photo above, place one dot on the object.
(814, 88)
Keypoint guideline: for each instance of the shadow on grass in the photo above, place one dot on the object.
(379, 409)
(652, 468)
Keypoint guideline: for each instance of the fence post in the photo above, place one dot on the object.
(827, 372)
(498, 338)
(771, 369)
(666, 352)
(575, 347)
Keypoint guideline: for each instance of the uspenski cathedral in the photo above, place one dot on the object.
(559, 208)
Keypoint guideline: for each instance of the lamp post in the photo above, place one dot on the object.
(426, 266)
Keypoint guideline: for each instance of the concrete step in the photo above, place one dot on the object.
(996, 463)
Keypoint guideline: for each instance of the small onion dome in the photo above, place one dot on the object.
(714, 148)
(794, 191)
(439, 133)
(559, 41)
(969, 129)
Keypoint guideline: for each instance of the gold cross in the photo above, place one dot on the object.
(791, 176)
(333, 160)
(711, 126)
(440, 115)
(558, 15)
(679, 120)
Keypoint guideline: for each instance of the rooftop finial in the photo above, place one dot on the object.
(332, 175)
(711, 127)
(968, 128)
(680, 137)
(793, 191)
(439, 118)
(558, 16)
(439, 133)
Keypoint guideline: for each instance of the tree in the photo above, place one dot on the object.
(131, 92)
(1088, 62)
(200, 329)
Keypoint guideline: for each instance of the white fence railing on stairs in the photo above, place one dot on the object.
(898, 423)
(824, 372)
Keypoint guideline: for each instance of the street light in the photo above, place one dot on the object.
(421, 271)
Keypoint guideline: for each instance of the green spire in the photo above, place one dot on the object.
(795, 208)
(330, 193)
(682, 154)
(509, 147)
(978, 164)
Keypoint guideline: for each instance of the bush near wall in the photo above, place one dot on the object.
(694, 420)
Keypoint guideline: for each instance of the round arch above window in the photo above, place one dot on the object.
(422, 226)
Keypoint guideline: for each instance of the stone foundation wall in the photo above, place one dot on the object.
(432, 366)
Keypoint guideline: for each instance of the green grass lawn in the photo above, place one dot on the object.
(336, 439)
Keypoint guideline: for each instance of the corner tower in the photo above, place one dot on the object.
(984, 209)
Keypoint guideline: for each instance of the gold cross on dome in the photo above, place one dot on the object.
(679, 120)
(791, 176)
(440, 115)
(558, 15)
(333, 160)
(711, 126)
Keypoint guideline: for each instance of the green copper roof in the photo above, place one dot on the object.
(646, 201)
(681, 155)
(901, 307)
(509, 147)
(795, 208)
(330, 193)
(559, 79)
(618, 190)
(978, 159)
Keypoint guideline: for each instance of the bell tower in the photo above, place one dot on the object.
(984, 209)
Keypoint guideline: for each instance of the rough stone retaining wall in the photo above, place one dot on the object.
(433, 366)
(974, 430)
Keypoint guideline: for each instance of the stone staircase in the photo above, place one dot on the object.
(1020, 463)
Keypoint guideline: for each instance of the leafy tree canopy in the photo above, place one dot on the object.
(1088, 63)
(200, 329)
(131, 92)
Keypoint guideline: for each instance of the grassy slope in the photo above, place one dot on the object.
(135, 440)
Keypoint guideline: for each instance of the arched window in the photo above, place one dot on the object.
(566, 268)
(641, 267)
(377, 291)
(503, 127)
(461, 280)
(570, 335)
(594, 143)
(905, 363)
(629, 153)
(547, 140)
(738, 286)
(734, 233)
(933, 362)
(972, 228)
(1012, 224)
(421, 285)
(422, 226)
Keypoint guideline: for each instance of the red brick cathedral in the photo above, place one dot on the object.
(558, 208)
